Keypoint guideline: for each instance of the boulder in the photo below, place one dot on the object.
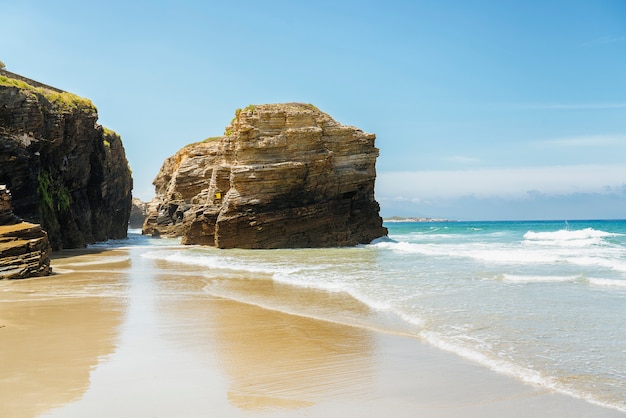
(282, 176)
(24, 247)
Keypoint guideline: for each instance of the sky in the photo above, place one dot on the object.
(482, 110)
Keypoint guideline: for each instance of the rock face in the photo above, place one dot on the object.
(183, 181)
(137, 213)
(24, 247)
(64, 170)
(282, 176)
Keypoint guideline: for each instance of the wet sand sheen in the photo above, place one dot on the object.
(50, 339)
(117, 334)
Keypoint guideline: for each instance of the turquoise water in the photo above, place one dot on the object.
(544, 302)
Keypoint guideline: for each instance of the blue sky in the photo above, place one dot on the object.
(482, 109)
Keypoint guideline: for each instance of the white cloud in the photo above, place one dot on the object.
(512, 183)
(586, 141)
(572, 106)
(460, 159)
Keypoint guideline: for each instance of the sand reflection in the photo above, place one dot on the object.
(275, 360)
(52, 334)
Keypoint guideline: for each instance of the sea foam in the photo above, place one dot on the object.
(607, 282)
(511, 278)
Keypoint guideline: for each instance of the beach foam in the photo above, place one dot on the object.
(607, 282)
(510, 278)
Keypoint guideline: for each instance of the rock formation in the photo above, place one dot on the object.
(282, 176)
(137, 213)
(179, 184)
(24, 247)
(64, 170)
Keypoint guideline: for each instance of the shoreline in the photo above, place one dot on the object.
(114, 333)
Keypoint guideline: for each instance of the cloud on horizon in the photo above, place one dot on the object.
(585, 141)
(461, 159)
(507, 183)
(572, 106)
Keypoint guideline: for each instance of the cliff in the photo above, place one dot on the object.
(282, 176)
(64, 170)
(24, 247)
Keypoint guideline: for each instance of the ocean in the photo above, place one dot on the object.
(543, 302)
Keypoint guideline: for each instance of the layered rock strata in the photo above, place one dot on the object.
(65, 171)
(24, 247)
(282, 176)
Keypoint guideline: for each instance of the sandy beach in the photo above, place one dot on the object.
(113, 333)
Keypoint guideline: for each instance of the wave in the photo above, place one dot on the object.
(135, 239)
(508, 368)
(495, 253)
(582, 253)
(217, 263)
(607, 282)
(97, 261)
(511, 278)
(319, 277)
(566, 234)
(617, 263)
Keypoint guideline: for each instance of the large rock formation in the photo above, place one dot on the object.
(282, 176)
(24, 247)
(64, 170)
(180, 183)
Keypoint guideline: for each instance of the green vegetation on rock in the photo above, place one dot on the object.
(64, 101)
(44, 183)
(50, 192)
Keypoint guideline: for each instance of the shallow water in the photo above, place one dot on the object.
(544, 302)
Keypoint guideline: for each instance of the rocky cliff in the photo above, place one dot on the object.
(64, 170)
(24, 247)
(282, 176)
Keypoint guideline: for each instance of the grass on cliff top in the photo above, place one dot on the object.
(111, 133)
(204, 141)
(64, 101)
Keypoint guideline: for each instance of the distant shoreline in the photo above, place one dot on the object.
(419, 219)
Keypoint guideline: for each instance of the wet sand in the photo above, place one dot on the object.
(117, 334)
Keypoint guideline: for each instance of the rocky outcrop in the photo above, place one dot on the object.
(65, 171)
(137, 213)
(182, 182)
(24, 247)
(282, 176)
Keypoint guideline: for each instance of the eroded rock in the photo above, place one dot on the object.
(24, 247)
(282, 176)
(65, 171)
